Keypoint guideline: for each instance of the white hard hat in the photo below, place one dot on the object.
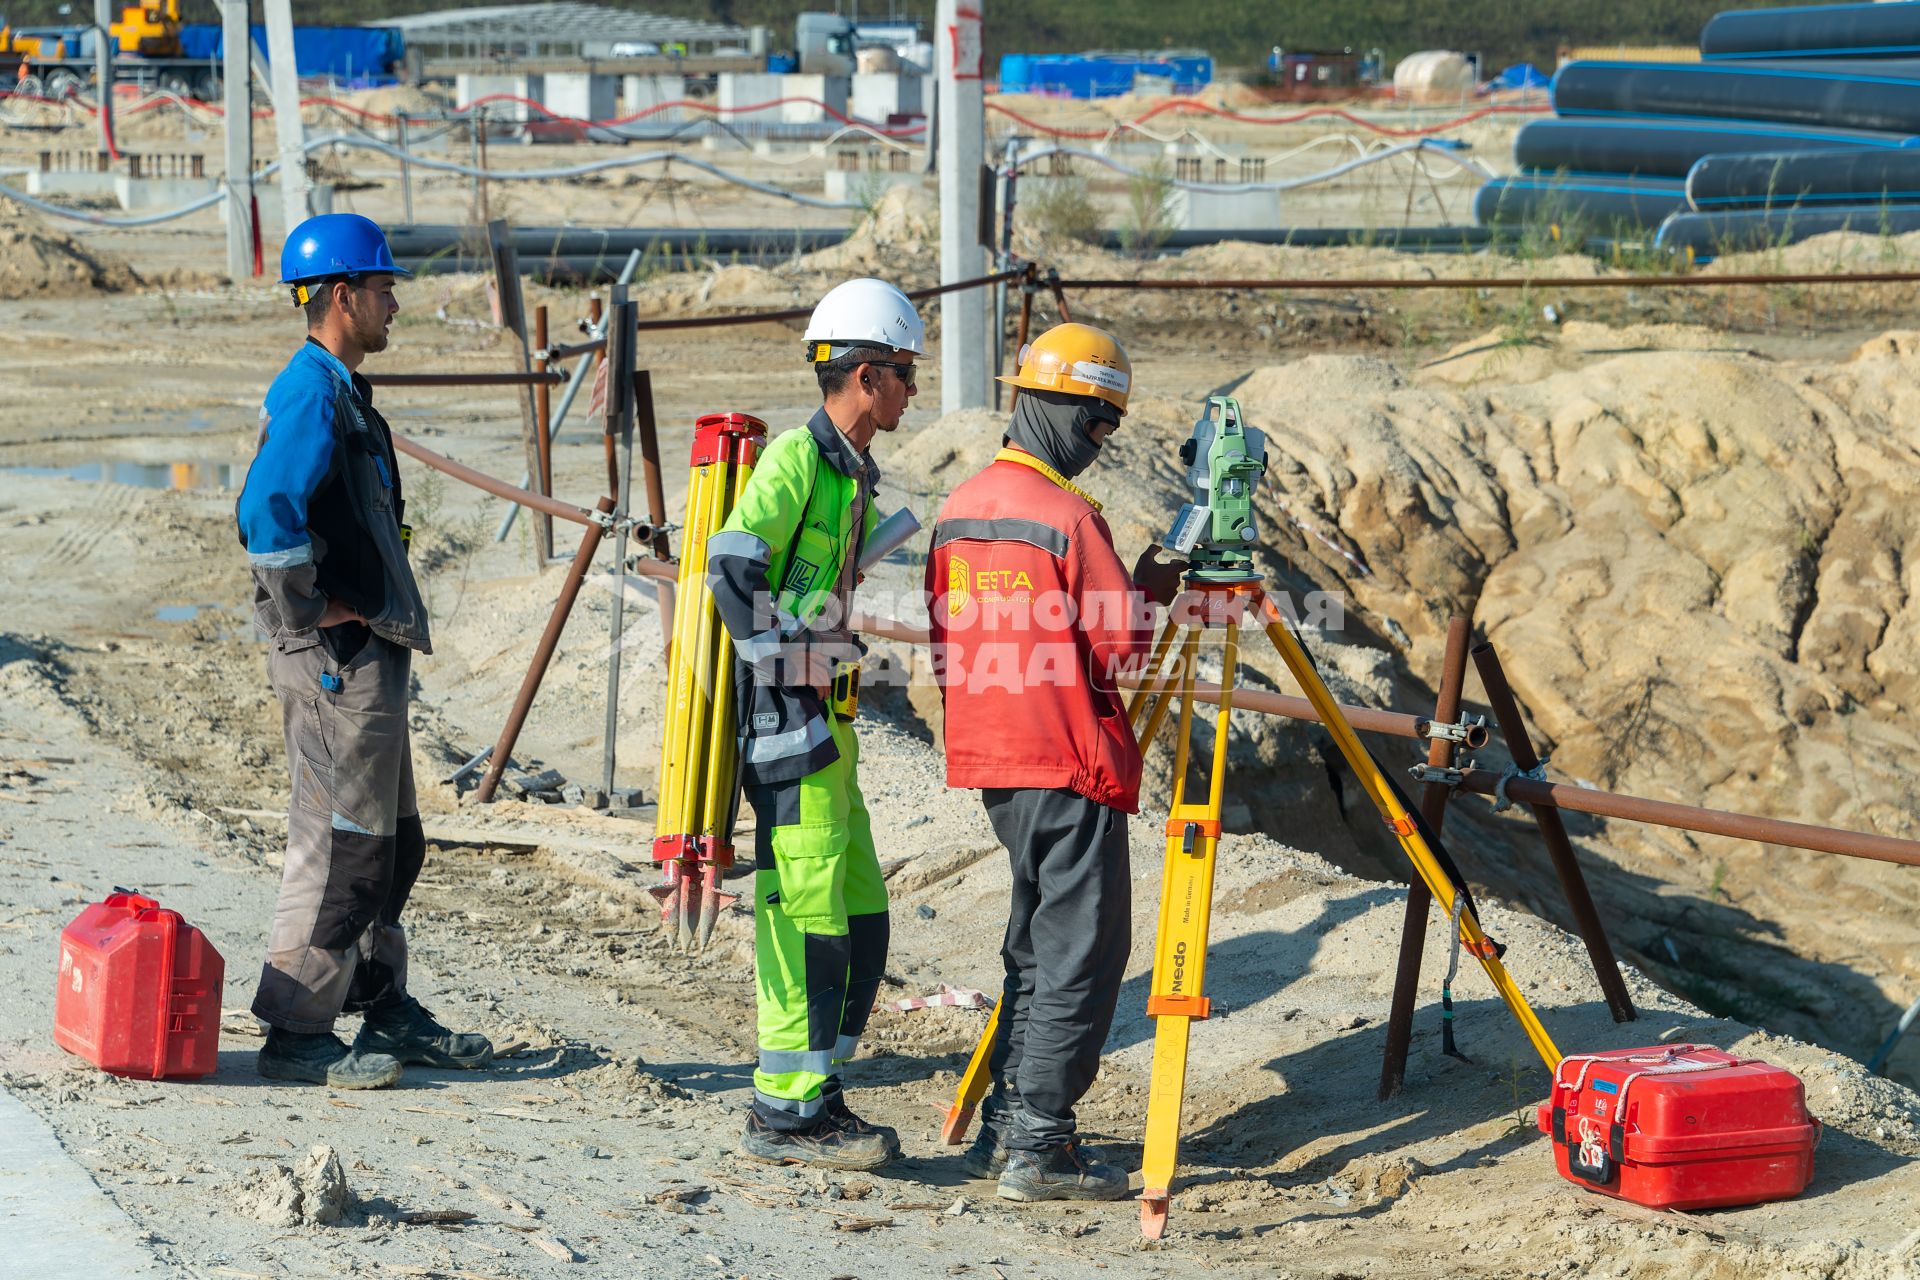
(864, 313)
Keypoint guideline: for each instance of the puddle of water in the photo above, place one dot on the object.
(181, 612)
(145, 475)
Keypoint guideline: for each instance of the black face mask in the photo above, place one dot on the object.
(1055, 428)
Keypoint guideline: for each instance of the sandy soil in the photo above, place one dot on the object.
(140, 746)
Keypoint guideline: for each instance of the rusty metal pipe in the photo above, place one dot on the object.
(499, 488)
(532, 378)
(543, 654)
(1026, 323)
(775, 317)
(1713, 822)
(649, 429)
(1398, 724)
(1433, 807)
(1586, 917)
(1520, 282)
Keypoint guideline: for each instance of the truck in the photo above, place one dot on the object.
(826, 44)
(57, 61)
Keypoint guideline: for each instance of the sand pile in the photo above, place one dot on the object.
(38, 262)
(391, 99)
(902, 233)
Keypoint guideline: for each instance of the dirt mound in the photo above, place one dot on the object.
(901, 231)
(1693, 604)
(392, 99)
(36, 262)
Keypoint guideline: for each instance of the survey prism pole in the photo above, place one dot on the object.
(962, 124)
(236, 79)
(288, 131)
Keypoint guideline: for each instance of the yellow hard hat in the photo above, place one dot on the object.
(1078, 360)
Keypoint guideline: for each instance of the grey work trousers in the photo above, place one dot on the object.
(1068, 935)
(354, 840)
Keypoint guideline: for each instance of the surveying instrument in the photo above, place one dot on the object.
(1225, 460)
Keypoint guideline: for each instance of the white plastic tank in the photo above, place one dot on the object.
(1434, 75)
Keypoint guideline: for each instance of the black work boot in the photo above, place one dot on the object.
(1059, 1173)
(841, 1116)
(320, 1057)
(987, 1157)
(825, 1145)
(408, 1032)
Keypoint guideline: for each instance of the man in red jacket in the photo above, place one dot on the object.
(1032, 614)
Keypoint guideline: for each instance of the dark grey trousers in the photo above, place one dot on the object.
(354, 840)
(1068, 935)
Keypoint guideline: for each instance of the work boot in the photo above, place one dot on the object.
(1059, 1173)
(987, 1157)
(321, 1057)
(825, 1145)
(408, 1032)
(841, 1116)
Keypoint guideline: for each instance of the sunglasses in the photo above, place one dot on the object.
(905, 372)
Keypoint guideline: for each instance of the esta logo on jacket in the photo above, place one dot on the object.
(1031, 613)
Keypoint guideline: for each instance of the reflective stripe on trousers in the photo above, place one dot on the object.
(820, 932)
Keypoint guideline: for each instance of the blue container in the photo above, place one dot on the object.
(1016, 72)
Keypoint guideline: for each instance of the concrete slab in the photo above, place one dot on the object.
(58, 1223)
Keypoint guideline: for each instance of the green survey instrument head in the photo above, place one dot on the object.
(1225, 460)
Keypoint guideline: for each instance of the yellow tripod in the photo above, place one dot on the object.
(699, 751)
(1176, 998)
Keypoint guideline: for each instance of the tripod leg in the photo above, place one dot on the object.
(1146, 692)
(974, 1083)
(1404, 827)
(1175, 1001)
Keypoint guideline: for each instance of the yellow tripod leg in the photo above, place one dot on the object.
(1401, 823)
(1175, 1000)
(975, 1080)
(1147, 689)
(670, 818)
(974, 1083)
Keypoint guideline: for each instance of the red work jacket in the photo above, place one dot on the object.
(1032, 613)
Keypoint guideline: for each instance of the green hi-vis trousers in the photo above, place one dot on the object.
(820, 933)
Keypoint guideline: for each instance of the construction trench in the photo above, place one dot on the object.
(605, 1139)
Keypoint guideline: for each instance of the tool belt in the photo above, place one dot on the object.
(843, 698)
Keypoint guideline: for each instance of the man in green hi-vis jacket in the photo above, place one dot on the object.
(782, 570)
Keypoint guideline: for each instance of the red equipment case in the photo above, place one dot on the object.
(1680, 1127)
(139, 990)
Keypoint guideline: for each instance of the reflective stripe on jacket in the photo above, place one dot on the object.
(1031, 611)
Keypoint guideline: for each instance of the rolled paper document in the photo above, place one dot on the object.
(887, 537)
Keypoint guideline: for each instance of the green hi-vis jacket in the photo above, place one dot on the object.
(782, 573)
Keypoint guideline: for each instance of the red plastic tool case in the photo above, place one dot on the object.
(139, 990)
(1680, 1127)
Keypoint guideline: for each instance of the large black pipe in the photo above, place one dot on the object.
(1652, 147)
(1597, 202)
(1881, 97)
(1801, 31)
(1708, 235)
(425, 239)
(1809, 179)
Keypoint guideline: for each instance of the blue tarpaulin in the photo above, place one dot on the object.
(1522, 75)
(1099, 75)
(345, 53)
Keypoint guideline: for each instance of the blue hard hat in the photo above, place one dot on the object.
(336, 244)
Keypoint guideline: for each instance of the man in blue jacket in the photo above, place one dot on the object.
(322, 518)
